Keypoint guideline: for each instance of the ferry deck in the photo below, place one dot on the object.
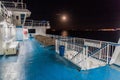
(24, 56)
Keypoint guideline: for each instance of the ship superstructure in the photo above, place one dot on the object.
(14, 26)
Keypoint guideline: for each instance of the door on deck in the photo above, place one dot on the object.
(19, 33)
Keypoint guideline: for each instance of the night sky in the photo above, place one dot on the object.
(83, 14)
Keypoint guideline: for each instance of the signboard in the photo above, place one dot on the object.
(91, 43)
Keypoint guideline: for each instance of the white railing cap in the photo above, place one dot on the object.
(106, 42)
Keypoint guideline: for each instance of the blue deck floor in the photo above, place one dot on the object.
(35, 62)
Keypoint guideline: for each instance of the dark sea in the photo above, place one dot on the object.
(112, 36)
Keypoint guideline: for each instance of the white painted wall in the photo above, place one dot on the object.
(40, 30)
(7, 34)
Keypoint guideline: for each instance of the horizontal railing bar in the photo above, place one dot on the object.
(10, 4)
(107, 42)
(36, 23)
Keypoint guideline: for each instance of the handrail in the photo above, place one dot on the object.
(103, 53)
(36, 23)
(68, 37)
(17, 5)
(76, 54)
(93, 53)
(4, 11)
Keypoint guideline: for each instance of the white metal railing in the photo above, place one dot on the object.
(73, 52)
(3, 11)
(68, 46)
(37, 23)
(17, 5)
(103, 53)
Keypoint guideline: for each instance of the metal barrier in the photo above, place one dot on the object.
(68, 46)
(100, 50)
(36, 23)
(17, 5)
(4, 11)
(105, 53)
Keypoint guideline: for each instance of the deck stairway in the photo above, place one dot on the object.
(86, 53)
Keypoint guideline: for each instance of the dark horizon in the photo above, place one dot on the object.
(82, 14)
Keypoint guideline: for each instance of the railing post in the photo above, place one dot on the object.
(15, 4)
(86, 51)
(0, 6)
(65, 47)
(100, 54)
(85, 56)
(22, 5)
(108, 54)
(56, 45)
(74, 42)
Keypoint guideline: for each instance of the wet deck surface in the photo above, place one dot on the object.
(35, 62)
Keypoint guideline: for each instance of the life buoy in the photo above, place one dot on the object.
(25, 32)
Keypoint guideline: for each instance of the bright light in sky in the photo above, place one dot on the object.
(64, 18)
